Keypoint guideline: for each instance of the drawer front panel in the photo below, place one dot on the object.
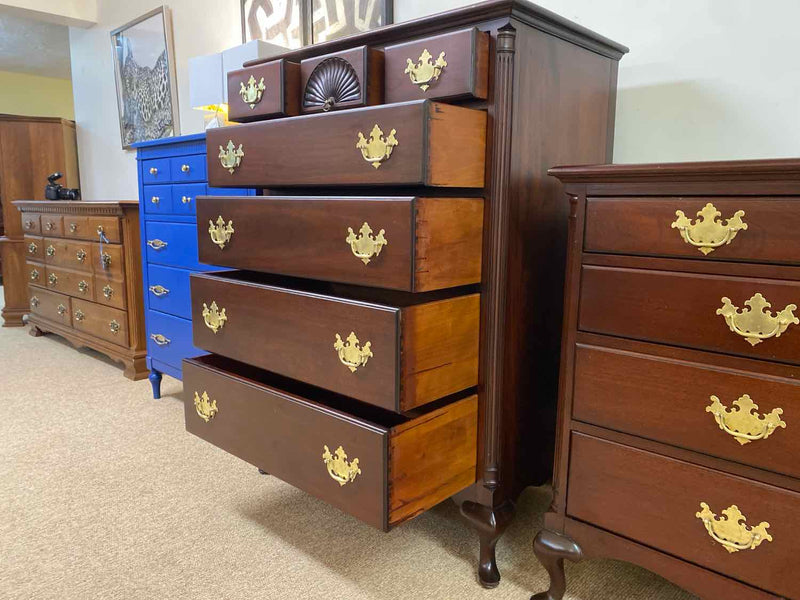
(452, 65)
(110, 292)
(212, 191)
(437, 145)
(108, 261)
(188, 168)
(77, 228)
(31, 224)
(35, 274)
(109, 226)
(50, 305)
(184, 197)
(172, 244)
(429, 243)
(638, 393)
(101, 321)
(53, 225)
(645, 226)
(274, 91)
(157, 199)
(681, 309)
(34, 248)
(344, 79)
(70, 254)
(169, 291)
(78, 284)
(155, 170)
(654, 500)
(169, 339)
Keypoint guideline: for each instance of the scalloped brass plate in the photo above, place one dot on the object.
(730, 530)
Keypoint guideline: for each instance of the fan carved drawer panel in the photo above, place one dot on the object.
(342, 80)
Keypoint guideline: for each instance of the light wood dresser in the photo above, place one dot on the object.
(83, 270)
(392, 339)
(680, 382)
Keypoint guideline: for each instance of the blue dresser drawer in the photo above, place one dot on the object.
(184, 197)
(157, 199)
(155, 170)
(188, 168)
(168, 290)
(212, 191)
(169, 339)
(173, 244)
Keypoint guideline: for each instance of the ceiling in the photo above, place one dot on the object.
(34, 47)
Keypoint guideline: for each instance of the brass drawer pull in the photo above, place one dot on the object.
(160, 339)
(205, 407)
(220, 233)
(114, 326)
(32, 248)
(83, 287)
(158, 290)
(364, 245)
(424, 71)
(49, 226)
(50, 250)
(351, 354)
(340, 470)
(155, 199)
(730, 531)
(157, 244)
(28, 224)
(186, 199)
(34, 275)
(52, 279)
(61, 309)
(707, 233)
(34, 302)
(153, 171)
(214, 318)
(73, 227)
(79, 315)
(252, 93)
(743, 423)
(377, 150)
(756, 323)
(185, 168)
(231, 157)
(80, 255)
(108, 291)
(105, 260)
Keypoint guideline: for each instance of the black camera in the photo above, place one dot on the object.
(56, 191)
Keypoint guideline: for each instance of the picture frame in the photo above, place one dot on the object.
(144, 76)
(279, 22)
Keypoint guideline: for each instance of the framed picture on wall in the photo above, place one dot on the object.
(144, 71)
(279, 22)
(332, 19)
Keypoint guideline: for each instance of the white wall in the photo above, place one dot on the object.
(705, 79)
(76, 13)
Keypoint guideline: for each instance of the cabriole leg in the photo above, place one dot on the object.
(490, 524)
(551, 549)
(155, 381)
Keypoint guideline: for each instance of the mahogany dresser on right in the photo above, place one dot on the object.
(680, 382)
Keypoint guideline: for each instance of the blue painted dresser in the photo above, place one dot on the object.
(172, 173)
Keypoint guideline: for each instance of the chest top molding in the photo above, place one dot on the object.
(75, 208)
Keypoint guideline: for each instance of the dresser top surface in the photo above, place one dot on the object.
(77, 207)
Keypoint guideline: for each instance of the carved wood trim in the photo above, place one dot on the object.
(114, 209)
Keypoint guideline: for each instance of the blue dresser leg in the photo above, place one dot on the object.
(155, 381)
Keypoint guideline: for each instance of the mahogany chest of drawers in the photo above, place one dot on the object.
(680, 381)
(404, 269)
(83, 270)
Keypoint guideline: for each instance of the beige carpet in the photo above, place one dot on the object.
(105, 496)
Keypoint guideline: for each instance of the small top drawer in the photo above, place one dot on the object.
(76, 227)
(184, 197)
(263, 91)
(53, 225)
(342, 80)
(31, 224)
(188, 168)
(157, 199)
(711, 228)
(452, 65)
(34, 248)
(108, 226)
(155, 170)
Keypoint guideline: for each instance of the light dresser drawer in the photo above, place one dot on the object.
(35, 274)
(169, 339)
(76, 227)
(188, 168)
(710, 228)
(79, 284)
(374, 465)
(399, 354)
(53, 225)
(171, 244)
(452, 65)
(157, 199)
(155, 170)
(658, 501)
(638, 392)
(108, 226)
(70, 254)
(168, 291)
(110, 292)
(31, 224)
(682, 309)
(414, 143)
(100, 321)
(411, 244)
(263, 91)
(50, 305)
(344, 79)
(108, 261)
(34, 248)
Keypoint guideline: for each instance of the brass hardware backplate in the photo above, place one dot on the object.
(214, 318)
(364, 245)
(220, 233)
(251, 94)
(80, 255)
(61, 309)
(32, 248)
(73, 227)
(158, 290)
(425, 71)
(34, 275)
(50, 250)
(708, 233)
(52, 279)
(378, 149)
(231, 157)
(34, 302)
(83, 287)
(108, 291)
(730, 530)
(105, 260)
(351, 353)
(743, 422)
(757, 323)
(205, 407)
(339, 468)
(79, 315)
(114, 326)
